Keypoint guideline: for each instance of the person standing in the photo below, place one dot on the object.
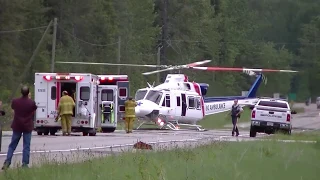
(236, 110)
(65, 110)
(130, 114)
(22, 124)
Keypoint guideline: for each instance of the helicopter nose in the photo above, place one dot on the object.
(146, 108)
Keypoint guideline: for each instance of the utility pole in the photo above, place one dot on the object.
(164, 16)
(35, 52)
(54, 38)
(119, 53)
(158, 63)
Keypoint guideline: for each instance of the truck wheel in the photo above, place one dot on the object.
(39, 133)
(253, 133)
(108, 130)
(84, 133)
(46, 133)
(289, 132)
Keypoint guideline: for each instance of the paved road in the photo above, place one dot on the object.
(52, 147)
(77, 147)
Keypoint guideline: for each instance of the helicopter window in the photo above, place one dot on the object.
(167, 100)
(154, 96)
(191, 102)
(198, 106)
(140, 94)
(178, 101)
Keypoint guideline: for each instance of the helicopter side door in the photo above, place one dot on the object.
(183, 105)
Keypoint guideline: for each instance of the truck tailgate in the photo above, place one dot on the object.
(271, 114)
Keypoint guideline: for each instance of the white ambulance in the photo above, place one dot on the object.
(113, 91)
(48, 91)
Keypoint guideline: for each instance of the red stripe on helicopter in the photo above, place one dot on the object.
(197, 88)
(186, 78)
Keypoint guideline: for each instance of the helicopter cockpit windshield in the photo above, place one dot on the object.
(154, 96)
(140, 94)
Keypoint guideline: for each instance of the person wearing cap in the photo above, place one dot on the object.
(236, 110)
(130, 114)
(22, 124)
(65, 111)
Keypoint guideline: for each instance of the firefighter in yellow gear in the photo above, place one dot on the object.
(130, 114)
(65, 110)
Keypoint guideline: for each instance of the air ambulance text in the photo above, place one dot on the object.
(215, 106)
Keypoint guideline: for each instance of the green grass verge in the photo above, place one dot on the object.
(304, 136)
(233, 160)
(217, 121)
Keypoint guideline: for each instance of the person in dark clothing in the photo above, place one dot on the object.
(22, 124)
(236, 110)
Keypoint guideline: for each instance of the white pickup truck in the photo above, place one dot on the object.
(269, 116)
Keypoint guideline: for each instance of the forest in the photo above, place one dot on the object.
(280, 34)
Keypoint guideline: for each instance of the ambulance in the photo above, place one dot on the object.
(99, 101)
(113, 91)
(48, 91)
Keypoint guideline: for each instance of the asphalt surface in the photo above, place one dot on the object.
(78, 148)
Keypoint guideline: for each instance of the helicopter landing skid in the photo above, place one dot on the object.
(176, 126)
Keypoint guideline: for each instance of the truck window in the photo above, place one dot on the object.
(85, 93)
(53, 92)
(273, 104)
(107, 95)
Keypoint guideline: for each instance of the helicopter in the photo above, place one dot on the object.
(179, 102)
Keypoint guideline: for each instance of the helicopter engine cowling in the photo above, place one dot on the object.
(204, 88)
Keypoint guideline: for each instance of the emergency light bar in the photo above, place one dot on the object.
(111, 79)
(62, 77)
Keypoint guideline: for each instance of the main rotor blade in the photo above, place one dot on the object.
(113, 64)
(157, 71)
(178, 67)
(198, 63)
(240, 69)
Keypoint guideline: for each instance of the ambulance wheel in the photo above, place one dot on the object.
(53, 132)
(92, 134)
(84, 133)
(39, 133)
(108, 130)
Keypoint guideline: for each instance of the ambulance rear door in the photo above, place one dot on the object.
(124, 92)
(42, 95)
(107, 93)
(84, 102)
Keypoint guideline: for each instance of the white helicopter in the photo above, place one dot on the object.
(178, 102)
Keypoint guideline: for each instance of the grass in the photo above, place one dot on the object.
(217, 121)
(220, 160)
(302, 136)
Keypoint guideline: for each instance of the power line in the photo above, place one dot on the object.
(93, 44)
(22, 30)
(240, 42)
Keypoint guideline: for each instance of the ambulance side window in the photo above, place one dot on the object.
(53, 92)
(107, 95)
(85, 93)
